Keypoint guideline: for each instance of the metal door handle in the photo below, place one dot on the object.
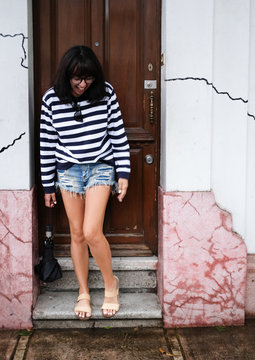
(151, 108)
(149, 159)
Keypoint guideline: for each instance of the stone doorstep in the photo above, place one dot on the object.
(137, 273)
(59, 305)
(92, 323)
(139, 303)
(55, 310)
(118, 263)
(136, 280)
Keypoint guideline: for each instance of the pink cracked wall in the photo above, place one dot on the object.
(202, 262)
(250, 288)
(18, 250)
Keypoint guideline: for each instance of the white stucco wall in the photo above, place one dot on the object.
(229, 133)
(250, 165)
(207, 137)
(188, 52)
(15, 131)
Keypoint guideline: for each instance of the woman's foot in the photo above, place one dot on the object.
(111, 302)
(82, 308)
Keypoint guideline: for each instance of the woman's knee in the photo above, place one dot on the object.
(92, 236)
(77, 235)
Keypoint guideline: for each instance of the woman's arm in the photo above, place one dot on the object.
(48, 141)
(118, 138)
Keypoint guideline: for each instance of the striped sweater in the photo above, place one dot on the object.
(64, 141)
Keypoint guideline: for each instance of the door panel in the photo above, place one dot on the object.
(119, 223)
(125, 35)
(64, 11)
(123, 55)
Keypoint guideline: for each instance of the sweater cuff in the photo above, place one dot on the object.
(122, 175)
(49, 189)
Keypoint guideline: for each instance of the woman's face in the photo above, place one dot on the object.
(80, 84)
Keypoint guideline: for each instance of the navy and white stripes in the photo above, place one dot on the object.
(64, 141)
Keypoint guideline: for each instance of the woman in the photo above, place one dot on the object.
(83, 140)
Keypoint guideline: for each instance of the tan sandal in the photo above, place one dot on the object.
(83, 308)
(111, 306)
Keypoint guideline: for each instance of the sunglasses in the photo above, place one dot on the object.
(77, 115)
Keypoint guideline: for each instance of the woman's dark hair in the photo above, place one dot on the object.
(79, 61)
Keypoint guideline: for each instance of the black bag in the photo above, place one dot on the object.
(48, 269)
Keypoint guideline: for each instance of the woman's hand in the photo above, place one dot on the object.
(122, 188)
(50, 200)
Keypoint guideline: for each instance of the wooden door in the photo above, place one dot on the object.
(125, 35)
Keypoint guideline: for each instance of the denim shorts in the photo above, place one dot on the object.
(80, 177)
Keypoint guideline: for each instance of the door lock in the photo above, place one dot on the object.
(149, 159)
(150, 67)
(150, 84)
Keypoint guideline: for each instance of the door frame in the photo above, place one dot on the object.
(117, 250)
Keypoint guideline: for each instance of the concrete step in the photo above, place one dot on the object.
(133, 272)
(139, 303)
(118, 263)
(55, 310)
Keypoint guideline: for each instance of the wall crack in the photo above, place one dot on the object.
(23, 59)
(214, 88)
(6, 147)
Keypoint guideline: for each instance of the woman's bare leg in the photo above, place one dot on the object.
(74, 206)
(95, 206)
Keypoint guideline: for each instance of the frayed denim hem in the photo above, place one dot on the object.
(114, 185)
(73, 193)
